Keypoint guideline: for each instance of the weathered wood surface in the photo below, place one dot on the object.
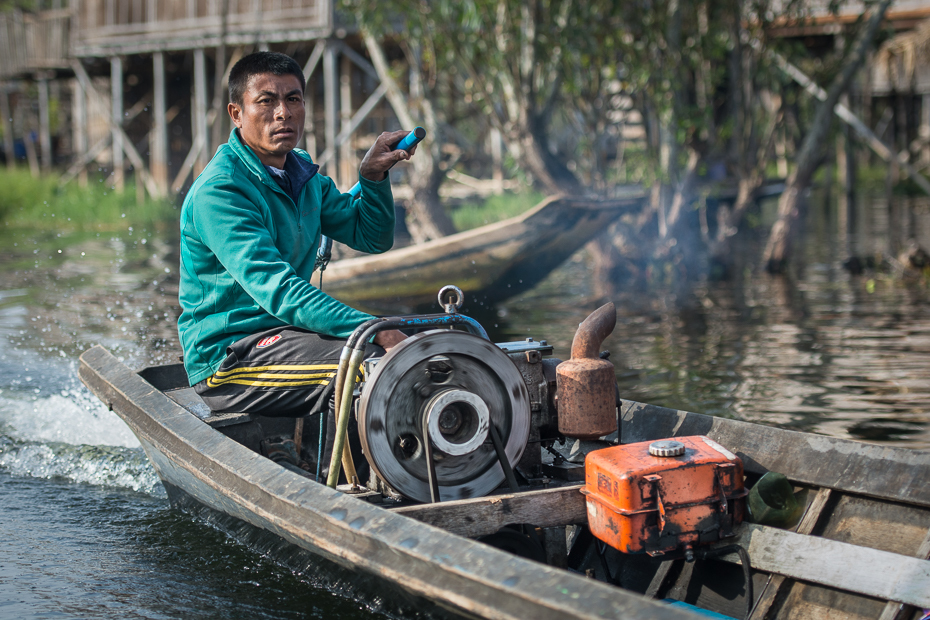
(896, 474)
(836, 564)
(104, 27)
(776, 583)
(497, 260)
(33, 41)
(462, 575)
(486, 515)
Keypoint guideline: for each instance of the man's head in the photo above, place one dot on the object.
(267, 104)
(258, 63)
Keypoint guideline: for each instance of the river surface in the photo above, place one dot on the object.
(86, 530)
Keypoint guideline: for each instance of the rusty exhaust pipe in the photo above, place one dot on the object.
(586, 384)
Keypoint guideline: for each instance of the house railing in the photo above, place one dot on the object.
(106, 27)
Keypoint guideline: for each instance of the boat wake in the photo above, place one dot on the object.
(70, 435)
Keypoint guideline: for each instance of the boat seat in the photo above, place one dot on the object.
(190, 400)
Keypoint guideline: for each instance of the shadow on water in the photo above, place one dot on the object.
(86, 530)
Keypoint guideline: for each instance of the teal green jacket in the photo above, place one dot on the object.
(248, 251)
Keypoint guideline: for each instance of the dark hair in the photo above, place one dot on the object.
(256, 64)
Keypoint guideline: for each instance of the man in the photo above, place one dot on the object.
(257, 336)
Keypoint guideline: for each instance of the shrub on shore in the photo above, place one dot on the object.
(39, 203)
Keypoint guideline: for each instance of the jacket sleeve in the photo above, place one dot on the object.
(233, 227)
(365, 223)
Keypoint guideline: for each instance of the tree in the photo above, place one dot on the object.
(809, 158)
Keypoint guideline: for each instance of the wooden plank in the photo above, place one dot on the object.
(885, 472)
(871, 572)
(776, 584)
(314, 59)
(900, 611)
(485, 515)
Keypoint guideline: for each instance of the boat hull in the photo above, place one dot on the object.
(860, 550)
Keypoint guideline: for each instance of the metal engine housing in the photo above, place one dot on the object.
(449, 386)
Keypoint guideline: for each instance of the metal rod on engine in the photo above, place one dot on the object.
(352, 355)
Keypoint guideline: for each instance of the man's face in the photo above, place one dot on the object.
(271, 117)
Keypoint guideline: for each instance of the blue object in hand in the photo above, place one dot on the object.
(413, 138)
(325, 253)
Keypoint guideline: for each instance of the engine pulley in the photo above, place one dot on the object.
(445, 387)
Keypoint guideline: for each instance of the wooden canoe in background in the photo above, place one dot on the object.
(493, 261)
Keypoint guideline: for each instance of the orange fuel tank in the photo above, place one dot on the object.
(663, 496)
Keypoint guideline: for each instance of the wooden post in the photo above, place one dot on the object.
(23, 120)
(850, 173)
(330, 95)
(309, 136)
(159, 137)
(217, 130)
(200, 110)
(116, 114)
(497, 160)
(79, 99)
(924, 131)
(346, 155)
(8, 148)
(45, 137)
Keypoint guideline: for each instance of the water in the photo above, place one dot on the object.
(86, 530)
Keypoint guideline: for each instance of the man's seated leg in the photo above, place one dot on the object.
(285, 371)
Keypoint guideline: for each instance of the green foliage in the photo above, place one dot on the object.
(493, 209)
(39, 204)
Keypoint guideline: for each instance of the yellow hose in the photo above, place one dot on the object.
(345, 386)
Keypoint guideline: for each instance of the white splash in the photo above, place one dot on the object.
(71, 435)
(72, 417)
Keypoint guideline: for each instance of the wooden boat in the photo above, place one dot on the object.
(493, 261)
(860, 550)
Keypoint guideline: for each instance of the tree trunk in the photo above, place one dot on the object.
(426, 218)
(810, 157)
(550, 173)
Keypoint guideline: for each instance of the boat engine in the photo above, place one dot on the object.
(441, 412)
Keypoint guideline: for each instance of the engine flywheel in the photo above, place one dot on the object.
(445, 387)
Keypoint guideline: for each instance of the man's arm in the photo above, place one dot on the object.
(367, 222)
(233, 228)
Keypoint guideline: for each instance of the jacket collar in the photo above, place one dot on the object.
(298, 164)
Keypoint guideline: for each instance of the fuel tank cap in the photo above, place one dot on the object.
(666, 447)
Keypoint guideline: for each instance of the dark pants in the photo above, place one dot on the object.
(285, 371)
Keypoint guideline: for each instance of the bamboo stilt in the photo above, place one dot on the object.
(8, 147)
(79, 102)
(45, 136)
(116, 115)
(200, 110)
(159, 135)
(346, 159)
(330, 93)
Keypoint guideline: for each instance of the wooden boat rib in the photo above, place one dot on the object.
(497, 260)
(860, 550)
